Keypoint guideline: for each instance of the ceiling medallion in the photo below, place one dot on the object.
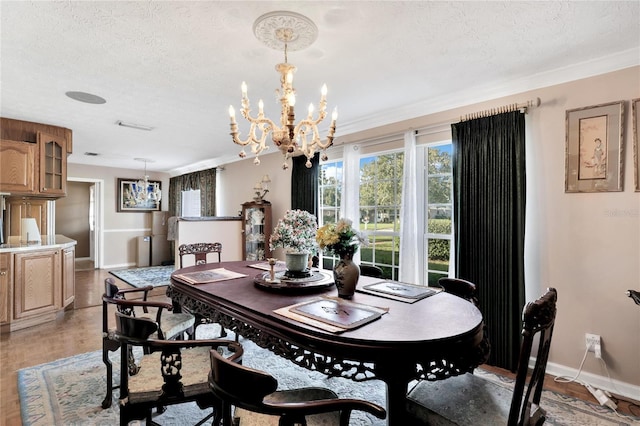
(284, 31)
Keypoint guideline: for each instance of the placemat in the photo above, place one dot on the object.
(329, 323)
(396, 290)
(209, 276)
(278, 267)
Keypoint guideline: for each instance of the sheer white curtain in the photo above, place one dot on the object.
(350, 206)
(409, 233)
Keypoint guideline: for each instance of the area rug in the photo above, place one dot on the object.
(69, 392)
(156, 276)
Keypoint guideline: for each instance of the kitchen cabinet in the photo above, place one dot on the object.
(18, 208)
(68, 276)
(5, 287)
(37, 282)
(256, 230)
(37, 278)
(53, 165)
(33, 158)
(17, 167)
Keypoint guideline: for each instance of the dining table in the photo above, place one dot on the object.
(393, 339)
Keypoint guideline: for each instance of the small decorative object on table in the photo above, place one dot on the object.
(296, 234)
(272, 272)
(342, 240)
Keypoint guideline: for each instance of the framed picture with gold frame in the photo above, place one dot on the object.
(635, 111)
(133, 198)
(594, 148)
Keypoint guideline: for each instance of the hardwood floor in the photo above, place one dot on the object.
(79, 331)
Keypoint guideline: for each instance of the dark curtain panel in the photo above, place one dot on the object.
(204, 180)
(304, 184)
(489, 215)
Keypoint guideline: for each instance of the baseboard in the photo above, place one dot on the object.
(616, 387)
(119, 266)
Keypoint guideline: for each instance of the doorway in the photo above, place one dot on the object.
(79, 216)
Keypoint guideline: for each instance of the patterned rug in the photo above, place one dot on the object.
(156, 276)
(69, 392)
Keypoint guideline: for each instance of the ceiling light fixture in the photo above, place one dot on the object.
(133, 125)
(144, 191)
(87, 98)
(285, 30)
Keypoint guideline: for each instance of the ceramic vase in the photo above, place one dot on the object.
(346, 274)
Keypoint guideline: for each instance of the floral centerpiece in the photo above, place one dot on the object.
(295, 232)
(340, 239)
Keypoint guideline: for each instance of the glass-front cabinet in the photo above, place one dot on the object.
(53, 164)
(256, 230)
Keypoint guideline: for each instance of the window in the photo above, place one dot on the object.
(439, 208)
(380, 199)
(329, 199)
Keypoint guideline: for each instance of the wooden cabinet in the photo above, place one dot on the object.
(17, 167)
(33, 158)
(68, 276)
(37, 280)
(5, 287)
(20, 207)
(37, 283)
(53, 165)
(256, 230)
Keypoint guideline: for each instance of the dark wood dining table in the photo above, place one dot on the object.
(431, 339)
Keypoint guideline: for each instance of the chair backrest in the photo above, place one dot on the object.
(200, 251)
(461, 288)
(135, 328)
(538, 321)
(371, 271)
(239, 385)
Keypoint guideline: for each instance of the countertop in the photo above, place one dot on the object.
(47, 242)
(208, 218)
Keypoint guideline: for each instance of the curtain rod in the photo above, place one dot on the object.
(502, 109)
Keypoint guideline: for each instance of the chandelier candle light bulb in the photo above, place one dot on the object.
(277, 30)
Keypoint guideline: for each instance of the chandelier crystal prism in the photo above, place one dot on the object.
(287, 31)
(144, 191)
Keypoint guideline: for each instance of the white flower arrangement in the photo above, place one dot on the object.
(295, 232)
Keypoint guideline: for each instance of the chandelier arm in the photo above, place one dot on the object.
(251, 137)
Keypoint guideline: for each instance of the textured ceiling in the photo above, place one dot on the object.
(177, 66)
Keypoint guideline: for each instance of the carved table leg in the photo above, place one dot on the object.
(397, 378)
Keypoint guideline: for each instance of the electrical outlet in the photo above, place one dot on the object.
(592, 341)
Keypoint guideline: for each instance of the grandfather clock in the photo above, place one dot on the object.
(256, 230)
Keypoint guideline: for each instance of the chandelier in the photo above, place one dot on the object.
(284, 30)
(144, 191)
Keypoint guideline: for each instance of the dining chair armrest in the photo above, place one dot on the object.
(345, 405)
(145, 289)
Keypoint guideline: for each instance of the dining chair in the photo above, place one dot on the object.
(468, 290)
(170, 371)
(471, 399)
(461, 288)
(171, 325)
(257, 402)
(371, 271)
(200, 252)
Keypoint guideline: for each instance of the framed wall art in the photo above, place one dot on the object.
(635, 110)
(594, 148)
(133, 197)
